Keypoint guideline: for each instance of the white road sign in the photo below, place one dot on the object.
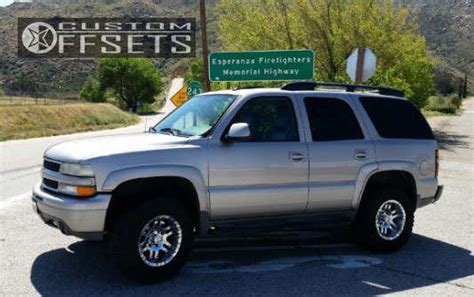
(368, 68)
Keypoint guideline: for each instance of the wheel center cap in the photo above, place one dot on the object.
(158, 238)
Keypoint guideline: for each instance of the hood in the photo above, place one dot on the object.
(83, 149)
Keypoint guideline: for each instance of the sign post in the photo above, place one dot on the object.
(361, 65)
(261, 65)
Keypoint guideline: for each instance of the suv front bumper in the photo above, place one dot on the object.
(426, 201)
(84, 218)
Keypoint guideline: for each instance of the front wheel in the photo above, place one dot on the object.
(153, 241)
(385, 220)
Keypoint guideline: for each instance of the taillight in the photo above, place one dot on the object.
(436, 162)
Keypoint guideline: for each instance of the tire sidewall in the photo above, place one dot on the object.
(127, 235)
(366, 229)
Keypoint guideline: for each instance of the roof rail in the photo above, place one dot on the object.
(248, 87)
(311, 85)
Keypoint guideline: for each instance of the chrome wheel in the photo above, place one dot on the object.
(390, 220)
(159, 241)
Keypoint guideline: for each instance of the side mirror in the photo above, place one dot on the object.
(238, 131)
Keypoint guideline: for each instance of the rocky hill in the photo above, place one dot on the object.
(64, 77)
(446, 24)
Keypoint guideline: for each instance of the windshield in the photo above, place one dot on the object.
(195, 117)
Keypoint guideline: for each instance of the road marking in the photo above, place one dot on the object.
(379, 286)
(337, 262)
(272, 248)
(9, 201)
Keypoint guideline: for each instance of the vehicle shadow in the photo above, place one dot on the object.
(449, 141)
(247, 267)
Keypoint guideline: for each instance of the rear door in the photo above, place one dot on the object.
(337, 147)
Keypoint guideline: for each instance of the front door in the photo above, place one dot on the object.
(266, 174)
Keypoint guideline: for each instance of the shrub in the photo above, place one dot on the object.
(449, 104)
(91, 90)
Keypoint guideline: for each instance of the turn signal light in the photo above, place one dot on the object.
(437, 163)
(85, 191)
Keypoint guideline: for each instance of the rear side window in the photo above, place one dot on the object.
(395, 118)
(332, 119)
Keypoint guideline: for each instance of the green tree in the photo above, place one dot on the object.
(91, 90)
(195, 72)
(133, 80)
(333, 28)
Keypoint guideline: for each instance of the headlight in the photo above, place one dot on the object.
(76, 169)
(78, 191)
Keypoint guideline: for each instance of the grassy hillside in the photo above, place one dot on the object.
(27, 121)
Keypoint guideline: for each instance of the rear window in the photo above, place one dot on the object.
(395, 118)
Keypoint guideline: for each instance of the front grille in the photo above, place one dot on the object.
(52, 184)
(51, 165)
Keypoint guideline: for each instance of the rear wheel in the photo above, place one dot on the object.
(153, 241)
(385, 220)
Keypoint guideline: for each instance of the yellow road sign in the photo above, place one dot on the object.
(180, 97)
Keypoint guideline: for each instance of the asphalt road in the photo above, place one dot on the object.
(37, 260)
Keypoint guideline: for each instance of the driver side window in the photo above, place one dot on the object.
(270, 119)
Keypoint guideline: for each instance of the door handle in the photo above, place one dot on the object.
(296, 157)
(360, 155)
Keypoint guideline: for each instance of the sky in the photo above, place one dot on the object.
(5, 2)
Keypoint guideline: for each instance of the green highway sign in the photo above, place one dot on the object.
(261, 65)
(194, 88)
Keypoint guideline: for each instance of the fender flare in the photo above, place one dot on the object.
(367, 171)
(116, 178)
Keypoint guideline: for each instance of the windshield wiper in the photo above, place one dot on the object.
(174, 132)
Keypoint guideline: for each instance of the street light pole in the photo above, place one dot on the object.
(205, 59)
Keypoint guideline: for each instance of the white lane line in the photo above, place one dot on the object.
(11, 200)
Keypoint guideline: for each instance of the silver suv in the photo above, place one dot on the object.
(299, 153)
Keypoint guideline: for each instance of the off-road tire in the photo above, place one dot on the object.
(125, 236)
(364, 225)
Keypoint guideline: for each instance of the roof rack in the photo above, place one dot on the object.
(248, 87)
(311, 85)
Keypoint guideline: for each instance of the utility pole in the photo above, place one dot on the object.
(465, 86)
(205, 51)
(360, 65)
